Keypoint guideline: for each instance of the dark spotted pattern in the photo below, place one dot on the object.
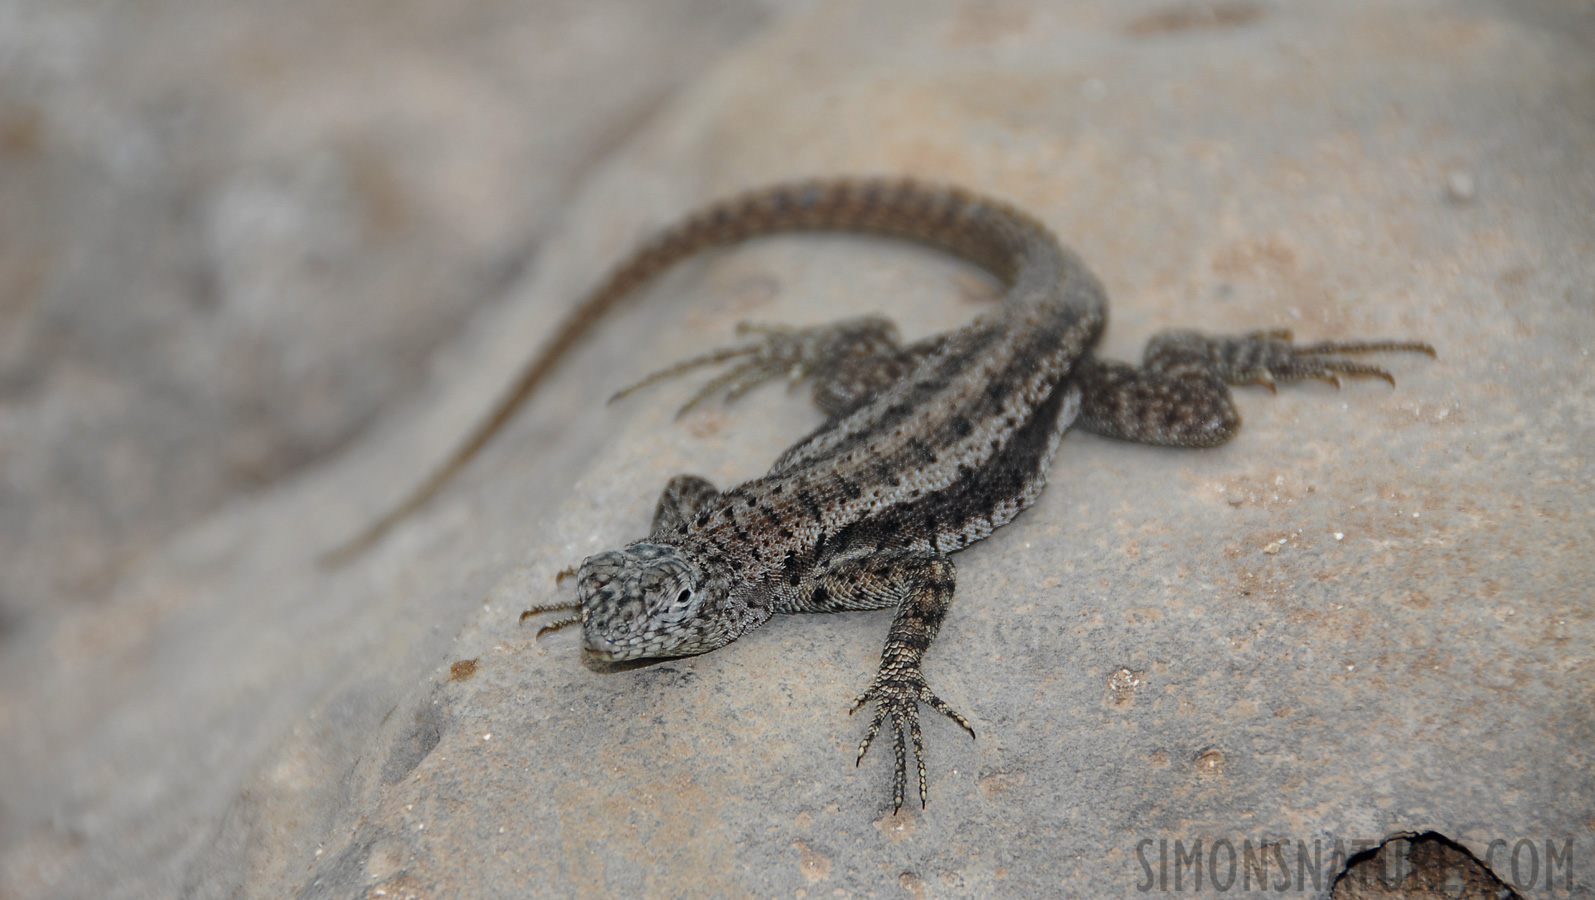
(928, 448)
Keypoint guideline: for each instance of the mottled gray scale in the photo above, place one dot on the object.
(873, 433)
(956, 355)
(991, 496)
(684, 499)
(928, 448)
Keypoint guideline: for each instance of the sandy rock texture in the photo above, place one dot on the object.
(1368, 615)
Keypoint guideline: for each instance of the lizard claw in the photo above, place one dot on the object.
(1269, 358)
(573, 619)
(796, 353)
(898, 698)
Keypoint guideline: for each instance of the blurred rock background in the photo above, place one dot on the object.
(232, 233)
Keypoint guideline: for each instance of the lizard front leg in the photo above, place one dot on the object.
(920, 584)
(681, 501)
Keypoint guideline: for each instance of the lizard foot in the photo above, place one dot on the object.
(897, 694)
(1269, 358)
(573, 619)
(794, 352)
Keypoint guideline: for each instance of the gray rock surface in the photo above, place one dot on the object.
(1367, 615)
(232, 233)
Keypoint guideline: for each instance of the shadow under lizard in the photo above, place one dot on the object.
(928, 447)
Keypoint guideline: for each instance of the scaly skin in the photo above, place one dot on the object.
(928, 448)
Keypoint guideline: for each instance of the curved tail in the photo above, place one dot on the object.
(989, 233)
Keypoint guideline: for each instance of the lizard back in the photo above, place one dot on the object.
(950, 451)
(1052, 311)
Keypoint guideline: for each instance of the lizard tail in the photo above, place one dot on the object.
(989, 233)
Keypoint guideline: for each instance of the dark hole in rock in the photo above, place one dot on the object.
(1428, 866)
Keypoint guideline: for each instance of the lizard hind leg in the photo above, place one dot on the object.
(703, 359)
(1269, 357)
(829, 353)
(1179, 396)
(1324, 360)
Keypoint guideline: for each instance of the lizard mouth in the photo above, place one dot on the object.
(602, 655)
(601, 649)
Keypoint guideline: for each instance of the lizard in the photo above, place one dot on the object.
(927, 447)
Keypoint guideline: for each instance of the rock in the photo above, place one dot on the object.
(232, 234)
(236, 722)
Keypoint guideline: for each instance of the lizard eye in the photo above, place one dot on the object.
(684, 597)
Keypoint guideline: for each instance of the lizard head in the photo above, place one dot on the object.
(643, 601)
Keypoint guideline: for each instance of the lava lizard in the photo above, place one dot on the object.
(928, 447)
